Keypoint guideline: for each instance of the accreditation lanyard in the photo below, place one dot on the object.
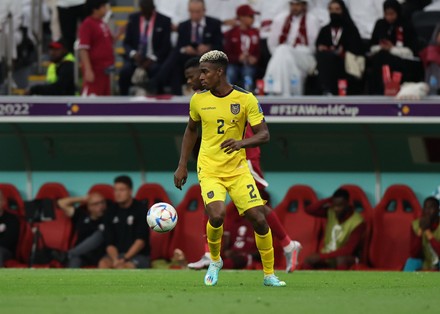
(336, 36)
(146, 31)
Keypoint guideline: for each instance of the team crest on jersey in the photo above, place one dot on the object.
(235, 108)
(210, 194)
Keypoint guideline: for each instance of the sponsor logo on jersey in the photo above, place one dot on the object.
(210, 194)
(235, 108)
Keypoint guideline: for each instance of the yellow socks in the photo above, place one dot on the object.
(214, 236)
(265, 247)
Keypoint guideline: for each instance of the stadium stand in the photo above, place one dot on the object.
(149, 194)
(298, 224)
(105, 190)
(390, 242)
(188, 234)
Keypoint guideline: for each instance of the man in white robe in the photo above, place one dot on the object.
(292, 44)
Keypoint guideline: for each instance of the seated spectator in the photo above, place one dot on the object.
(126, 233)
(292, 44)
(364, 15)
(425, 238)
(334, 42)
(343, 234)
(242, 45)
(147, 43)
(9, 232)
(70, 13)
(431, 60)
(96, 50)
(197, 35)
(394, 43)
(238, 245)
(88, 223)
(60, 72)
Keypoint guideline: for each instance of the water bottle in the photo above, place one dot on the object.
(270, 85)
(294, 85)
(433, 85)
(248, 82)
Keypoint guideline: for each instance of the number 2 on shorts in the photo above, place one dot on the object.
(252, 191)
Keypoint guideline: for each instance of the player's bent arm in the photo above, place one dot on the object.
(67, 204)
(135, 248)
(112, 251)
(261, 136)
(189, 140)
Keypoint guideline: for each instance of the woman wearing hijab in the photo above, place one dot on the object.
(335, 40)
(393, 43)
(431, 60)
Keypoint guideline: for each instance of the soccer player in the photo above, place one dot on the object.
(291, 248)
(222, 111)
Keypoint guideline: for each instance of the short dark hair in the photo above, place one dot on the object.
(342, 193)
(192, 63)
(92, 5)
(125, 180)
(434, 200)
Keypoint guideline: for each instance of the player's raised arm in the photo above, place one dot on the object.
(189, 140)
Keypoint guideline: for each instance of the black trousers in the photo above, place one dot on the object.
(69, 19)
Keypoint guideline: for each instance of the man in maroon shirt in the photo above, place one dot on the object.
(425, 238)
(344, 233)
(242, 45)
(96, 50)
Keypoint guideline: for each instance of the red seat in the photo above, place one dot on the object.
(12, 197)
(390, 242)
(298, 224)
(104, 189)
(24, 244)
(52, 190)
(360, 202)
(189, 234)
(151, 193)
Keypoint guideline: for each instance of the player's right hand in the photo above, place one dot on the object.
(180, 177)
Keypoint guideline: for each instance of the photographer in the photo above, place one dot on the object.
(425, 238)
(89, 226)
(9, 231)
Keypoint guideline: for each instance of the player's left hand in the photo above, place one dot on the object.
(231, 145)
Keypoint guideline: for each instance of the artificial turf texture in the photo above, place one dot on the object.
(181, 292)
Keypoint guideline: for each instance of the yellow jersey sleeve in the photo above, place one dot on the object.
(254, 112)
(193, 109)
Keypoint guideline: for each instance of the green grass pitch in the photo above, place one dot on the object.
(181, 292)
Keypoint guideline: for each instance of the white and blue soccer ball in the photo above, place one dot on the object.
(162, 217)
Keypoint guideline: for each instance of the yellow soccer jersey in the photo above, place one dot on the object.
(223, 118)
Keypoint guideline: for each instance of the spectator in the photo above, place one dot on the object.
(425, 238)
(147, 43)
(96, 50)
(88, 222)
(365, 14)
(9, 232)
(431, 60)
(60, 72)
(70, 13)
(242, 45)
(335, 40)
(343, 234)
(394, 43)
(197, 35)
(292, 43)
(126, 234)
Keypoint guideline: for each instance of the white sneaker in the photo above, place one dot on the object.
(292, 256)
(200, 264)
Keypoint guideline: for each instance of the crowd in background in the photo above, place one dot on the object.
(279, 47)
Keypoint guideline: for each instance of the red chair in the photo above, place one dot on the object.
(189, 234)
(52, 190)
(151, 193)
(298, 224)
(105, 190)
(12, 197)
(390, 242)
(24, 244)
(360, 202)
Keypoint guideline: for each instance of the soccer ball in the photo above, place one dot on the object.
(162, 217)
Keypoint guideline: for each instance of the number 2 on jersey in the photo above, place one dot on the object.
(221, 124)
